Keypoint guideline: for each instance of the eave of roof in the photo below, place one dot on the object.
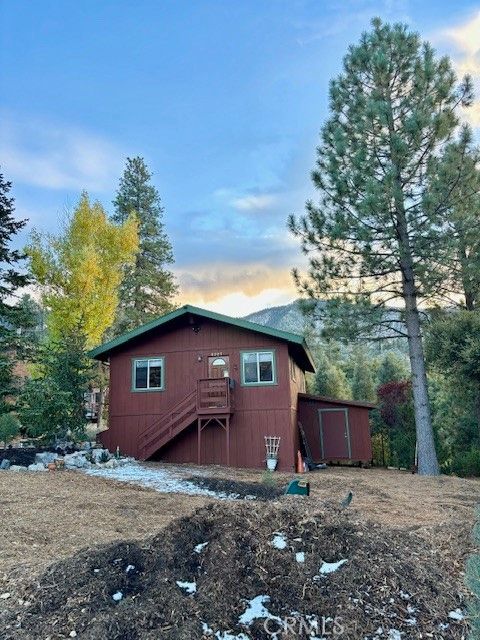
(101, 352)
(352, 403)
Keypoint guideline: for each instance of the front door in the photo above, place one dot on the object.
(219, 367)
(334, 434)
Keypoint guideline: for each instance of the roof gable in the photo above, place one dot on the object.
(297, 342)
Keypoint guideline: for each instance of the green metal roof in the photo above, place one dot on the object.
(101, 352)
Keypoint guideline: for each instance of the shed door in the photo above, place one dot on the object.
(218, 367)
(334, 434)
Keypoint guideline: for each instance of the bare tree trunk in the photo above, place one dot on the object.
(427, 456)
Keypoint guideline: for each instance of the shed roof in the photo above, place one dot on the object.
(336, 401)
(300, 350)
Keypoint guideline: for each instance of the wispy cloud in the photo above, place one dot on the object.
(236, 289)
(254, 202)
(248, 200)
(465, 38)
(208, 282)
(55, 156)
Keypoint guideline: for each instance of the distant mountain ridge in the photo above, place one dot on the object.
(288, 317)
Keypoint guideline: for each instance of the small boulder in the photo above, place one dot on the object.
(97, 454)
(38, 466)
(111, 464)
(45, 457)
(17, 467)
(76, 460)
(5, 464)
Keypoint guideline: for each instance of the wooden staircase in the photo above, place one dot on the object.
(211, 398)
(165, 428)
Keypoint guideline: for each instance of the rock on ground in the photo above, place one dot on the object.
(77, 460)
(39, 466)
(98, 453)
(45, 457)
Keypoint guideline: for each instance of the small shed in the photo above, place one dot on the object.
(337, 431)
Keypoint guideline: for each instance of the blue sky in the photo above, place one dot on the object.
(223, 98)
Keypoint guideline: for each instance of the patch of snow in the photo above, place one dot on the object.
(189, 587)
(96, 571)
(443, 626)
(200, 547)
(457, 614)
(279, 541)
(300, 556)
(405, 595)
(330, 567)
(411, 621)
(5, 595)
(73, 634)
(256, 609)
(161, 480)
(117, 596)
(394, 634)
(206, 630)
(129, 568)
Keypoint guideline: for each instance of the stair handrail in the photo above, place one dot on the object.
(175, 418)
(168, 414)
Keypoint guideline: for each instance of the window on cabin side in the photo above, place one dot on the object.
(258, 367)
(148, 374)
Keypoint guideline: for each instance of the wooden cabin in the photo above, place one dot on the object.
(197, 386)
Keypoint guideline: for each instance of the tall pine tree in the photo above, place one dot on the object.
(454, 193)
(148, 288)
(374, 239)
(10, 280)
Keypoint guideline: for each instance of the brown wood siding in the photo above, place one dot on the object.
(359, 423)
(297, 385)
(259, 411)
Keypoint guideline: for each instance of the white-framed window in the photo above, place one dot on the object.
(258, 368)
(148, 374)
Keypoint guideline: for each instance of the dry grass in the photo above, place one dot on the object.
(44, 517)
(394, 498)
(48, 516)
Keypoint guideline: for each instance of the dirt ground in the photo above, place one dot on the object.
(48, 516)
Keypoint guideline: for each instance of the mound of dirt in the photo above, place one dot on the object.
(238, 489)
(241, 570)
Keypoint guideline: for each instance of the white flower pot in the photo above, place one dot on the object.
(272, 463)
